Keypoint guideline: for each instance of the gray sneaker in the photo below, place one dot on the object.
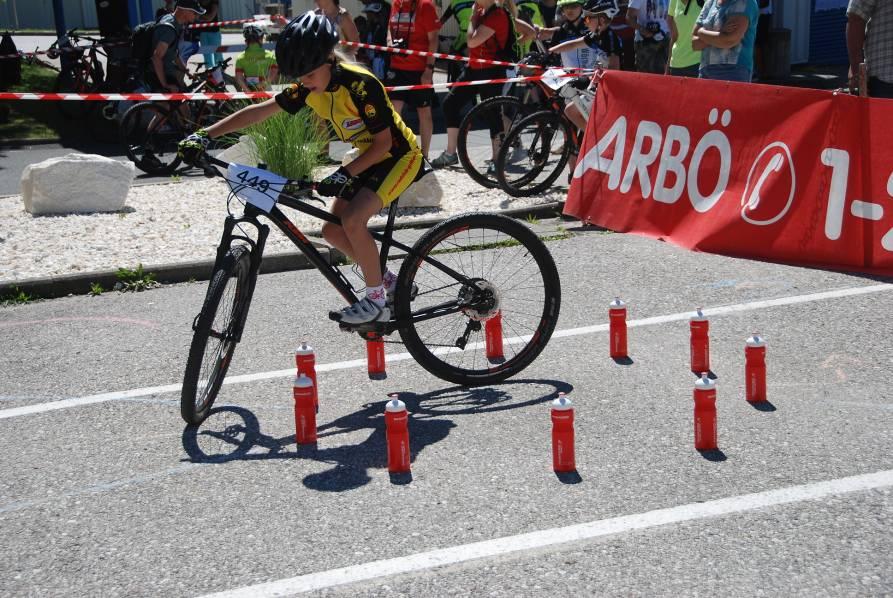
(364, 311)
(444, 160)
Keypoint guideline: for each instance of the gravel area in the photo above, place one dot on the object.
(179, 222)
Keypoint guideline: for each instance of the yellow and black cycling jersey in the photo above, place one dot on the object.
(356, 104)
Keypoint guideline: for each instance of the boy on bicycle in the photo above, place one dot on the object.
(357, 106)
(255, 67)
(602, 40)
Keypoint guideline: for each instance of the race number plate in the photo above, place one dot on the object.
(556, 78)
(256, 186)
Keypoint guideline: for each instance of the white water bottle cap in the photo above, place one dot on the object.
(705, 383)
(698, 316)
(303, 381)
(617, 303)
(562, 403)
(756, 341)
(304, 349)
(395, 406)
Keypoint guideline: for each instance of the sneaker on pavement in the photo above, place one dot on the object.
(364, 311)
(444, 160)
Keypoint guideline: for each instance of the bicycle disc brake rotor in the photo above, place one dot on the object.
(479, 300)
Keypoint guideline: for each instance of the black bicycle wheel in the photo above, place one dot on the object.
(534, 154)
(512, 274)
(213, 343)
(481, 133)
(150, 133)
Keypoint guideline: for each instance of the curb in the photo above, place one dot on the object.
(79, 284)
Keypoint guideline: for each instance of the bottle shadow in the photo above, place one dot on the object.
(623, 360)
(764, 406)
(715, 455)
(232, 433)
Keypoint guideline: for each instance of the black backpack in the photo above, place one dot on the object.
(511, 51)
(10, 66)
(141, 47)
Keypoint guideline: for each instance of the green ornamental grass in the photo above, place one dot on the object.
(289, 145)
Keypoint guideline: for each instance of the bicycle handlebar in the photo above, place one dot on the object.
(208, 162)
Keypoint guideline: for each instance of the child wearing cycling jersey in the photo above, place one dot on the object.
(255, 67)
(356, 105)
(601, 39)
(571, 28)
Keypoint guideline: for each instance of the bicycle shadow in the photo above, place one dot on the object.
(233, 433)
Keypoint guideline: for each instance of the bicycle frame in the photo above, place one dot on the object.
(329, 271)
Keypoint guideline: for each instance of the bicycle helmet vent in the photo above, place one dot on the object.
(601, 7)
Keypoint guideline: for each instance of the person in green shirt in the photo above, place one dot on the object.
(255, 67)
(461, 11)
(681, 17)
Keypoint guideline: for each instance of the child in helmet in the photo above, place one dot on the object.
(571, 28)
(357, 107)
(601, 39)
(255, 67)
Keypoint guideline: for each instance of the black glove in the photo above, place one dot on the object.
(193, 147)
(337, 184)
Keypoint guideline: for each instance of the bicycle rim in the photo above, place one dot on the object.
(150, 135)
(482, 130)
(507, 261)
(213, 343)
(534, 155)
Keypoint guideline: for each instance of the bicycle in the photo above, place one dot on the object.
(81, 71)
(537, 149)
(457, 276)
(150, 131)
(483, 129)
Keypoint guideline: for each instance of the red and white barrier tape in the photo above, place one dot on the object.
(278, 18)
(455, 57)
(241, 95)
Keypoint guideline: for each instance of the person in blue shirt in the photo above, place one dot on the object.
(725, 33)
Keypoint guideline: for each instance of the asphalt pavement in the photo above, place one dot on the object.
(104, 490)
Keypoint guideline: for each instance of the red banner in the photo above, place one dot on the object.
(773, 173)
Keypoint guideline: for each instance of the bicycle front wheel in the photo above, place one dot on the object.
(481, 133)
(150, 134)
(213, 341)
(509, 274)
(534, 154)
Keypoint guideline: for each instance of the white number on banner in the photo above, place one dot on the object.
(256, 186)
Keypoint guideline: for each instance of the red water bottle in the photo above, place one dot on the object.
(563, 435)
(700, 342)
(397, 423)
(305, 410)
(617, 333)
(375, 356)
(305, 360)
(755, 369)
(493, 337)
(705, 414)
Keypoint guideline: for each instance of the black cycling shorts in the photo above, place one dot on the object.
(417, 99)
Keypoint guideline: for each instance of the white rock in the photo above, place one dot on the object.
(76, 183)
(243, 152)
(424, 193)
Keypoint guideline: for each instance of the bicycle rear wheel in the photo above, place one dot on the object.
(512, 274)
(535, 153)
(68, 82)
(482, 130)
(213, 342)
(150, 133)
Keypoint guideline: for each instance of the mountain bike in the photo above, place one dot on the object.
(537, 149)
(81, 72)
(484, 127)
(457, 276)
(150, 131)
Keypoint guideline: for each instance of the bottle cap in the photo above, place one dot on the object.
(395, 406)
(705, 383)
(562, 403)
(303, 381)
(304, 349)
(756, 341)
(698, 316)
(617, 303)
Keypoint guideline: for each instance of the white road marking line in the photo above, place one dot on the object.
(392, 358)
(564, 535)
